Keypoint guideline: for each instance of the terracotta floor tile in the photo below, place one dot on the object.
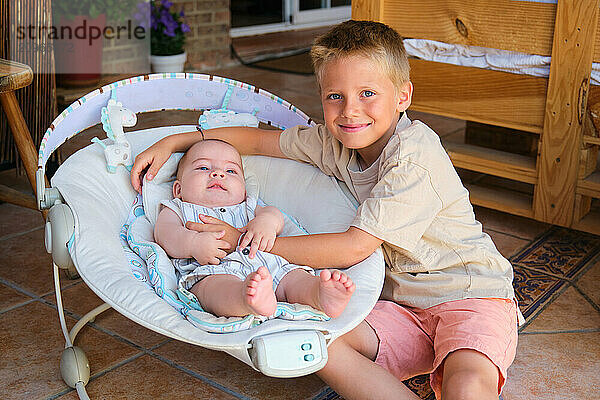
(507, 245)
(26, 263)
(80, 300)
(17, 219)
(569, 312)
(588, 283)
(10, 297)
(441, 125)
(234, 374)
(560, 366)
(148, 378)
(32, 344)
(521, 227)
(11, 179)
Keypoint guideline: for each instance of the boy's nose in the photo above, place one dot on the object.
(217, 174)
(350, 108)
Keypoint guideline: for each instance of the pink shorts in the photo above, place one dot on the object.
(414, 341)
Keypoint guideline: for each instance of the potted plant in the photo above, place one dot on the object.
(167, 37)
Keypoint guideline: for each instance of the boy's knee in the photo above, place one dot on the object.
(469, 384)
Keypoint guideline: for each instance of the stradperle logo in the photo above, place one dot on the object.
(84, 31)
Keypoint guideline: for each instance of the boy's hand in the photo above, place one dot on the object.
(231, 236)
(207, 247)
(260, 234)
(152, 158)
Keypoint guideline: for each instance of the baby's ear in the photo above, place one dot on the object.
(177, 189)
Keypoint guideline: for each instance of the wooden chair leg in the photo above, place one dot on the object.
(21, 134)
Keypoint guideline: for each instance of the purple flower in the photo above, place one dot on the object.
(185, 28)
(166, 4)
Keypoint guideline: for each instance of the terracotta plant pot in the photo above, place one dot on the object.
(79, 59)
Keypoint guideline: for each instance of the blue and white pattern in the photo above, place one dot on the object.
(150, 264)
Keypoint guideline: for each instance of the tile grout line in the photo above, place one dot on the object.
(99, 374)
(14, 235)
(142, 351)
(528, 240)
(585, 296)
(34, 297)
(539, 311)
(590, 330)
(198, 376)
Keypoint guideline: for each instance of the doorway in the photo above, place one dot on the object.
(258, 17)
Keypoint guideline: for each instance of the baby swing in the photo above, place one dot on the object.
(92, 208)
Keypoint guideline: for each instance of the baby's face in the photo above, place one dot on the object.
(211, 176)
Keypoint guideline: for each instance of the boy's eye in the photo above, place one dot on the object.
(202, 168)
(231, 171)
(368, 93)
(334, 96)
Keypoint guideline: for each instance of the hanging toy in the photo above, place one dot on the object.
(224, 117)
(114, 118)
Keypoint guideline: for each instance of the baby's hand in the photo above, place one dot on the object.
(208, 247)
(260, 235)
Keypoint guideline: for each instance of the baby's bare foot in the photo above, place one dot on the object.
(335, 290)
(258, 292)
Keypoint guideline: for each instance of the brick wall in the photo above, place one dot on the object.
(207, 44)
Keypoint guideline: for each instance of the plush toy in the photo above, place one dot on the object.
(114, 118)
(224, 117)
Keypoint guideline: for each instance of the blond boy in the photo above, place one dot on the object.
(448, 304)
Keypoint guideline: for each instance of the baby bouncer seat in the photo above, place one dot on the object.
(91, 204)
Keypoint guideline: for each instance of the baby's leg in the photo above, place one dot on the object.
(329, 292)
(229, 296)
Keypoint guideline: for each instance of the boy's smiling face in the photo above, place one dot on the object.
(361, 104)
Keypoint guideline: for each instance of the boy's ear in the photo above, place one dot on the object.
(177, 189)
(404, 96)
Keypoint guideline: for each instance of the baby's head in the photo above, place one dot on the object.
(210, 174)
(372, 40)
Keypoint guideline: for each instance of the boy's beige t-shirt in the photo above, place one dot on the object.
(412, 198)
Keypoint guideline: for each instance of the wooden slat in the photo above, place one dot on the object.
(10, 195)
(522, 26)
(591, 140)
(590, 186)
(558, 161)
(501, 199)
(488, 161)
(491, 97)
(367, 10)
(590, 223)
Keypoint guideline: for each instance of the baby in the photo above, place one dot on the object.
(210, 181)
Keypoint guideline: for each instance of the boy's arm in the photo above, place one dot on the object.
(327, 250)
(246, 140)
(323, 250)
(179, 242)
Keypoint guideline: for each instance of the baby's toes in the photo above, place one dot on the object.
(325, 275)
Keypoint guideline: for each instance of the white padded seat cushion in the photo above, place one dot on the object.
(101, 202)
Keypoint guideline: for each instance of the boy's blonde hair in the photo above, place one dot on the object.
(373, 40)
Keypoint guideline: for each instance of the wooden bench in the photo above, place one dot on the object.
(563, 175)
